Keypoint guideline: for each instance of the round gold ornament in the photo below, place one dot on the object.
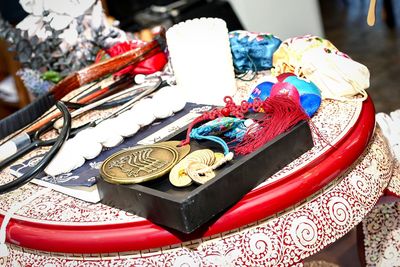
(179, 176)
(199, 172)
(139, 164)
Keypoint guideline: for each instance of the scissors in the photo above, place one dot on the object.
(56, 144)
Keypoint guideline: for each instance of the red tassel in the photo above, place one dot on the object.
(281, 114)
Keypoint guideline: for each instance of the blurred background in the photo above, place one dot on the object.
(343, 22)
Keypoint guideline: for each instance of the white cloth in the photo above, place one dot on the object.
(390, 125)
(336, 76)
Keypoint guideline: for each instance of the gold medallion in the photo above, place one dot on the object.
(182, 150)
(139, 164)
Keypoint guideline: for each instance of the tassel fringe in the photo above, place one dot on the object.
(280, 115)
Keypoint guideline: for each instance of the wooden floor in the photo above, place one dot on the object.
(376, 47)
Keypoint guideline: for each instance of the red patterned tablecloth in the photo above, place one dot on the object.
(304, 207)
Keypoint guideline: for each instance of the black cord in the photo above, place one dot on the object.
(42, 164)
(51, 109)
(241, 76)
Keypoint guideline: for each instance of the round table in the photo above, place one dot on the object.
(307, 205)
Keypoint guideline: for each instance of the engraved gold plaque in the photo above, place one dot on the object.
(139, 164)
(182, 150)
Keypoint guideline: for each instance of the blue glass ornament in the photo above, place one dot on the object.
(310, 95)
(262, 91)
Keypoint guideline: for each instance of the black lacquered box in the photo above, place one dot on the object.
(186, 209)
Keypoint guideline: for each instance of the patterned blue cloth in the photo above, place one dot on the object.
(252, 51)
(218, 126)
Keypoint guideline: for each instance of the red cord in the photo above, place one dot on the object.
(280, 115)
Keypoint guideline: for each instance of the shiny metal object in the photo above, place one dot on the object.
(143, 163)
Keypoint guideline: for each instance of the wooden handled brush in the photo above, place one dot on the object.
(98, 70)
(73, 81)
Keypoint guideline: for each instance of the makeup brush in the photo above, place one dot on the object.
(98, 94)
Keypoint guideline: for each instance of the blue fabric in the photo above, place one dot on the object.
(251, 51)
(209, 130)
(310, 95)
(303, 86)
(217, 126)
(237, 133)
(310, 103)
(262, 91)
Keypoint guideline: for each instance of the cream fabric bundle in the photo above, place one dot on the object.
(289, 54)
(337, 77)
(318, 60)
